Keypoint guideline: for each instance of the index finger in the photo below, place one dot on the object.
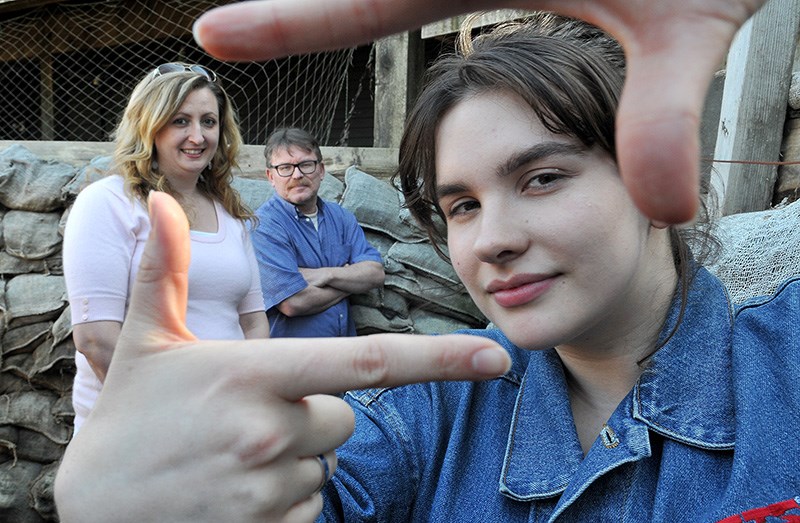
(334, 365)
(266, 29)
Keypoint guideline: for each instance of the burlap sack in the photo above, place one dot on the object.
(32, 235)
(32, 298)
(372, 321)
(376, 205)
(427, 322)
(28, 183)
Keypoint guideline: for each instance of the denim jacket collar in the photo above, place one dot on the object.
(685, 393)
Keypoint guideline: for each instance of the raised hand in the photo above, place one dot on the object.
(189, 430)
(673, 49)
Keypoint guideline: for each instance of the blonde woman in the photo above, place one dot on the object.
(179, 135)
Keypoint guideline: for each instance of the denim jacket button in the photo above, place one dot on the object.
(609, 437)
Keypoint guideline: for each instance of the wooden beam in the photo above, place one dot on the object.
(379, 162)
(399, 63)
(68, 30)
(47, 105)
(10, 6)
(754, 103)
(453, 25)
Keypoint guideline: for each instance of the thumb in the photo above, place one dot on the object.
(658, 122)
(157, 311)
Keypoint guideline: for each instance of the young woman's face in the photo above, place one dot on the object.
(188, 142)
(540, 228)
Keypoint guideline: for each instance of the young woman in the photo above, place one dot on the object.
(178, 134)
(636, 390)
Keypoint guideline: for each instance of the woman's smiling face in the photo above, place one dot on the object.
(189, 140)
(540, 228)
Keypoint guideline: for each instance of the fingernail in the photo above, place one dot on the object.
(491, 361)
(196, 33)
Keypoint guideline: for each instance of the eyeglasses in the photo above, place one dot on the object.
(287, 169)
(178, 67)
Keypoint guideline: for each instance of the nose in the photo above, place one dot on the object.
(501, 236)
(296, 172)
(196, 133)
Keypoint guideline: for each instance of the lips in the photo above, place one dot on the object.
(520, 289)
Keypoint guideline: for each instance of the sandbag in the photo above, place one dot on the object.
(32, 235)
(28, 183)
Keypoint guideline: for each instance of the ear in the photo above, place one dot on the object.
(268, 172)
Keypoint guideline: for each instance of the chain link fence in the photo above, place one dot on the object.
(67, 69)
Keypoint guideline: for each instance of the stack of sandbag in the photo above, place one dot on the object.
(37, 359)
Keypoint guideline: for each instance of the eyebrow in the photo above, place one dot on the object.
(538, 152)
(184, 113)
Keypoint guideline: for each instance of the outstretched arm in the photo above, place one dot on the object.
(228, 430)
(673, 49)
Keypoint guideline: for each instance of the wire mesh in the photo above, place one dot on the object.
(67, 69)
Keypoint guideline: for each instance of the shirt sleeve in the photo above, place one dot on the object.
(360, 249)
(277, 262)
(99, 243)
(254, 300)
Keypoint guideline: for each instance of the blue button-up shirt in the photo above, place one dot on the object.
(710, 431)
(286, 240)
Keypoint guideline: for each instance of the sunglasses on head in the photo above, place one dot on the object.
(177, 67)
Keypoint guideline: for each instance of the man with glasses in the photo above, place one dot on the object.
(312, 253)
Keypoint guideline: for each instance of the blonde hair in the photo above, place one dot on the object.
(153, 102)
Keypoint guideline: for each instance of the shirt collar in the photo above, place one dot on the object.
(685, 393)
(292, 210)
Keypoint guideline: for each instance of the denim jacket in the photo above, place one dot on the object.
(710, 432)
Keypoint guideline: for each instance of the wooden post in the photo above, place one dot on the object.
(754, 107)
(399, 63)
(47, 107)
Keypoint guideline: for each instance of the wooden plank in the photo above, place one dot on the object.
(453, 25)
(754, 107)
(399, 62)
(10, 6)
(69, 32)
(47, 106)
(379, 162)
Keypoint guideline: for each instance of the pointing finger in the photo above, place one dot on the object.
(266, 29)
(335, 365)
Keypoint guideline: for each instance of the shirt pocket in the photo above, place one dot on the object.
(338, 254)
